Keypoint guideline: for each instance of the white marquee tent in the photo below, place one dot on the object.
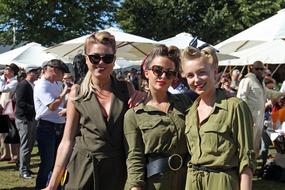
(29, 55)
(265, 31)
(272, 52)
(129, 46)
(182, 41)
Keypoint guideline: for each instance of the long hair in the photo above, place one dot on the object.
(80, 68)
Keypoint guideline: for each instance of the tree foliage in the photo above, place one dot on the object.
(52, 21)
(210, 20)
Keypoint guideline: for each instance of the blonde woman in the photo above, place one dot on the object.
(94, 157)
(218, 129)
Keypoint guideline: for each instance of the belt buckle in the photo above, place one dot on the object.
(171, 158)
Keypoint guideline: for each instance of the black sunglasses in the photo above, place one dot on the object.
(158, 71)
(95, 58)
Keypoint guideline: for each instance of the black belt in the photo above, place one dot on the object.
(50, 123)
(161, 163)
(214, 170)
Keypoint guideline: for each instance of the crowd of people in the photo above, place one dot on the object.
(177, 124)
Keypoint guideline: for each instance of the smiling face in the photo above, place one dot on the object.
(102, 69)
(160, 65)
(201, 76)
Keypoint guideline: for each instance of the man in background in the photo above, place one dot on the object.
(49, 97)
(253, 91)
(25, 120)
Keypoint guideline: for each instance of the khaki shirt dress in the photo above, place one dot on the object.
(223, 141)
(98, 158)
(150, 131)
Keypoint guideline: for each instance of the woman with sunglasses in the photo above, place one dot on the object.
(219, 129)
(94, 158)
(154, 130)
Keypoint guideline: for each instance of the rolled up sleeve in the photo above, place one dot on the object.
(244, 123)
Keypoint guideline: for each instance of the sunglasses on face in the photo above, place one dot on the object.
(158, 72)
(96, 58)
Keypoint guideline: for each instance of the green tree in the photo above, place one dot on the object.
(210, 20)
(52, 21)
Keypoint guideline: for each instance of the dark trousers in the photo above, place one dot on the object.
(49, 136)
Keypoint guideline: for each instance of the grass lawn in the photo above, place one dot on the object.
(9, 174)
(9, 177)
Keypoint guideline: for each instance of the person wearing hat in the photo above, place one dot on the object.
(25, 119)
(49, 101)
(8, 83)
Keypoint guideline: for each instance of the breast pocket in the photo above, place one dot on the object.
(216, 138)
(156, 133)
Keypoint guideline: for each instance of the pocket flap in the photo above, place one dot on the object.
(150, 124)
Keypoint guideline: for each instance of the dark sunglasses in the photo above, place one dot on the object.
(158, 71)
(95, 58)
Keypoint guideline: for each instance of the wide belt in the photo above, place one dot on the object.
(210, 169)
(157, 164)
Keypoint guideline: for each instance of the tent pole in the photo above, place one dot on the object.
(275, 70)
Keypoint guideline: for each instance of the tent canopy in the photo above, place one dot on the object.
(182, 41)
(267, 30)
(129, 46)
(29, 55)
(271, 52)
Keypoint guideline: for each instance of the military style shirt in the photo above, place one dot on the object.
(150, 131)
(224, 139)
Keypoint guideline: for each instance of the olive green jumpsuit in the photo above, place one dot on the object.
(149, 131)
(223, 142)
(98, 158)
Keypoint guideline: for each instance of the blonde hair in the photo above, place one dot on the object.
(207, 53)
(105, 38)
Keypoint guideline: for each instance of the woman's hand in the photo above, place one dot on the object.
(246, 179)
(136, 188)
(136, 98)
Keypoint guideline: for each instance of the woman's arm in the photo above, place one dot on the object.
(247, 162)
(134, 148)
(136, 96)
(65, 147)
(246, 179)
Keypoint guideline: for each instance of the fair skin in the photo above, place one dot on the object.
(8, 73)
(158, 87)
(201, 78)
(53, 74)
(102, 82)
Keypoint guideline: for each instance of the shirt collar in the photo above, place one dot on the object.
(143, 107)
(220, 100)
